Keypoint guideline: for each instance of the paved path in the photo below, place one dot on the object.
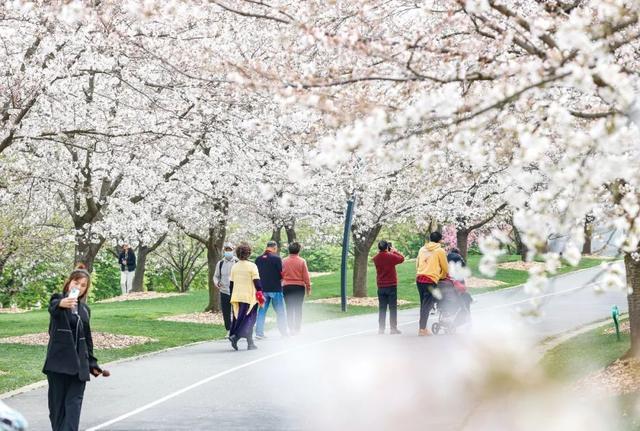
(340, 374)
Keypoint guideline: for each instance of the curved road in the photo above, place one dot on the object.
(338, 375)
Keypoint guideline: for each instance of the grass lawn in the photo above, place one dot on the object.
(24, 363)
(589, 352)
(584, 354)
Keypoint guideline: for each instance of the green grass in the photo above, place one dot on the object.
(24, 363)
(584, 354)
(587, 353)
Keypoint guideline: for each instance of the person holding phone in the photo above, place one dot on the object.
(387, 280)
(70, 361)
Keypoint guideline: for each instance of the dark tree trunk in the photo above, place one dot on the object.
(632, 268)
(214, 254)
(462, 242)
(521, 248)
(141, 262)
(276, 235)
(290, 230)
(361, 247)
(86, 251)
(588, 235)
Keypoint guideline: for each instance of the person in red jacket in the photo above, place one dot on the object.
(387, 278)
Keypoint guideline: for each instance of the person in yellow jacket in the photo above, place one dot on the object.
(246, 297)
(431, 267)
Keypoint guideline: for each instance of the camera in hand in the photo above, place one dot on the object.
(389, 246)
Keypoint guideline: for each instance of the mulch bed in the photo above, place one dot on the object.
(621, 377)
(521, 266)
(625, 328)
(11, 310)
(137, 296)
(479, 283)
(101, 340)
(359, 302)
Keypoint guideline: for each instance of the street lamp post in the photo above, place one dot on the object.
(345, 253)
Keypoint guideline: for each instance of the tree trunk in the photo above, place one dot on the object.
(214, 254)
(462, 242)
(276, 235)
(290, 230)
(521, 248)
(588, 235)
(632, 268)
(361, 247)
(141, 262)
(86, 251)
(360, 261)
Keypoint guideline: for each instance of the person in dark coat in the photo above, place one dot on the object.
(270, 268)
(70, 361)
(127, 260)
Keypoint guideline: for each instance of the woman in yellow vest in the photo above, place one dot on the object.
(246, 296)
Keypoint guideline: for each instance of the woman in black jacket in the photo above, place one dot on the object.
(70, 359)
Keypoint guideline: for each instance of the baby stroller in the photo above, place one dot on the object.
(453, 307)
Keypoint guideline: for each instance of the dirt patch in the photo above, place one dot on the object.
(10, 310)
(625, 328)
(479, 283)
(359, 302)
(101, 340)
(203, 318)
(318, 274)
(3, 373)
(137, 296)
(621, 377)
(521, 266)
(598, 256)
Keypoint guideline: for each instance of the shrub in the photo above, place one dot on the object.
(325, 258)
(105, 279)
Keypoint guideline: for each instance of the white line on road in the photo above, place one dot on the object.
(293, 349)
(218, 375)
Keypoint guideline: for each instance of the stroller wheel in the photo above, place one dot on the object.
(435, 328)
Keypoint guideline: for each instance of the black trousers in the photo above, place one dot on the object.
(293, 299)
(65, 401)
(425, 290)
(225, 305)
(388, 297)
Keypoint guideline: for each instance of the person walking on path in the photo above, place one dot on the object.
(221, 279)
(127, 259)
(431, 267)
(270, 268)
(246, 297)
(69, 361)
(296, 282)
(387, 280)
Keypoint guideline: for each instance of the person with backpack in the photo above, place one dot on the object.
(70, 361)
(127, 260)
(431, 267)
(221, 280)
(387, 280)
